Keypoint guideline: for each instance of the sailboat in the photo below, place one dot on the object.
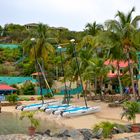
(37, 106)
(77, 111)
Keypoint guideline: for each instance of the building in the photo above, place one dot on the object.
(112, 75)
(6, 89)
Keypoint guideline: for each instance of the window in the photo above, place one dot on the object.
(112, 71)
(106, 85)
(113, 86)
(121, 70)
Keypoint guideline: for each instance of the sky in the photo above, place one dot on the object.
(72, 14)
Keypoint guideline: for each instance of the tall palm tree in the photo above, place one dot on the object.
(98, 71)
(42, 47)
(126, 28)
(93, 28)
(115, 52)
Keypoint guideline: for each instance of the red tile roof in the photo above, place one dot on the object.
(122, 64)
(6, 87)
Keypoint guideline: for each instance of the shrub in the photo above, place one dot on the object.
(30, 115)
(28, 88)
(12, 98)
(48, 95)
(130, 110)
(39, 98)
(24, 99)
(107, 128)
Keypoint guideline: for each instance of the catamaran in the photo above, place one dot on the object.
(37, 106)
(80, 111)
(50, 109)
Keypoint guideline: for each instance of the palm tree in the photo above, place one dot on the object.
(85, 54)
(115, 52)
(126, 28)
(93, 28)
(42, 47)
(98, 71)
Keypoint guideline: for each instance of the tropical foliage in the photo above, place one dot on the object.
(28, 89)
(130, 110)
(30, 115)
(106, 127)
(12, 98)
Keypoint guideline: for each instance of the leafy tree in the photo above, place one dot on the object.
(16, 32)
(93, 28)
(28, 88)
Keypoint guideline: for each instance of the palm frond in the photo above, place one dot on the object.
(135, 21)
(129, 16)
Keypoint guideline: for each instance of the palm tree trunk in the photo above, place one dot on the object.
(131, 74)
(69, 97)
(78, 96)
(118, 75)
(101, 85)
(90, 90)
(95, 84)
(86, 87)
(70, 84)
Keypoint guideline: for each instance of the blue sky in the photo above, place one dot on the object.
(72, 14)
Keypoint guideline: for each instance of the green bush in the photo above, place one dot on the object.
(28, 88)
(48, 95)
(130, 110)
(12, 98)
(107, 128)
(24, 99)
(39, 98)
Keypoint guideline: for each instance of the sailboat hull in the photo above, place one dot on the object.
(85, 111)
(37, 106)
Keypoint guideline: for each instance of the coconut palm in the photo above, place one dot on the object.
(115, 52)
(125, 27)
(98, 71)
(85, 54)
(93, 28)
(42, 47)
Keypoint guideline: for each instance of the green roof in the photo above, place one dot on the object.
(11, 46)
(15, 80)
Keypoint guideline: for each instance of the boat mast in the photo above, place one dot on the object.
(75, 54)
(36, 66)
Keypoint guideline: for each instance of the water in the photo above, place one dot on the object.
(11, 124)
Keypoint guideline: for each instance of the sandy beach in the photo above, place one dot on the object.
(87, 121)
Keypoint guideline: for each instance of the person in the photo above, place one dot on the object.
(127, 90)
(136, 88)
